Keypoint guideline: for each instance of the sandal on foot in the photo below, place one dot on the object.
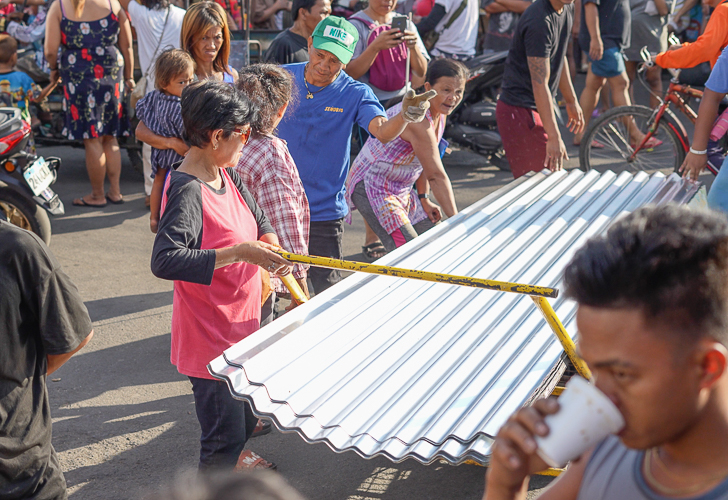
(80, 202)
(651, 143)
(374, 250)
(120, 201)
(261, 428)
(249, 460)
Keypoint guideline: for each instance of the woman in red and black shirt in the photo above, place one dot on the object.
(212, 238)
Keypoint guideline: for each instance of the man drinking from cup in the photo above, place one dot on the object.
(652, 315)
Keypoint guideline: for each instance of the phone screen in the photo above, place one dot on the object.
(399, 23)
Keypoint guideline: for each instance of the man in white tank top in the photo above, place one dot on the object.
(652, 315)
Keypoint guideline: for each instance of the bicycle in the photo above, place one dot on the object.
(607, 144)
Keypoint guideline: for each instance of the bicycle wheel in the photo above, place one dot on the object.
(607, 144)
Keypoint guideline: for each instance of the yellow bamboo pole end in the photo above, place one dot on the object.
(295, 289)
(555, 323)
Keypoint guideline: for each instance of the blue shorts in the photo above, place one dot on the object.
(611, 64)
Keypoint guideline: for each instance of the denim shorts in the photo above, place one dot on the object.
(611, 64)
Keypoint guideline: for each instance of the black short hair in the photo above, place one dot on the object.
(210, 105)
(301, 4)
(669, 261)
(446, 68)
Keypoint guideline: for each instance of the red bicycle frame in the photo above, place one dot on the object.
(674, 94)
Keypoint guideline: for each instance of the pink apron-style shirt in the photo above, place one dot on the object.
(206, 320)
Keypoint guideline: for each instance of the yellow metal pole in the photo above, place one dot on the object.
(550, 315)
(502, 286)
(293, 286)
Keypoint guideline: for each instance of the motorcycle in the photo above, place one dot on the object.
(26, 197)
(473, 124)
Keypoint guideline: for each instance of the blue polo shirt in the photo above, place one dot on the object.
(318, 133)
(718, 80)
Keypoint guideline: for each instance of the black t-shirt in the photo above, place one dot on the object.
(541, 32)
(287, 48)
(41, 313)
(615, 24)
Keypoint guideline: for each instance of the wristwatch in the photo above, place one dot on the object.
(423, 196)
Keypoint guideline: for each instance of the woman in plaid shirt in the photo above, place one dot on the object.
(267, 169)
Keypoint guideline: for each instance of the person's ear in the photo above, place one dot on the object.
(428, 86)
(282, 111)
(215, 138)
(713, 358)
(310, 43)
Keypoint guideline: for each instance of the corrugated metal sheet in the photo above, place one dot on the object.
(402, 368)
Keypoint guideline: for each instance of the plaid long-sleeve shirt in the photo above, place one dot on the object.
(270, 174)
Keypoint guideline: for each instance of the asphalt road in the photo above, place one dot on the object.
(123, 418)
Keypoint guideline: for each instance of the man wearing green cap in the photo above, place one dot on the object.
(318, 132)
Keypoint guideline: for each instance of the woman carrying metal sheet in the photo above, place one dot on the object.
(217, 282)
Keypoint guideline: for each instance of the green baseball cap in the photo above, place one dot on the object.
(336, 35)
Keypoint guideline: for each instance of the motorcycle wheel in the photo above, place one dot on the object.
(25, 214)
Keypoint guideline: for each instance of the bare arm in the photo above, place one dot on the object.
(125, 4)
(424, 142)
(385, 40)
(517, 6)
(145, 135)
(53, 35)
(55, 361)
(418, 62)
(686, 7)
(259, 253)
(386, 130)
(125, 45)
(662, 8)
(565, 85)
(495, 8)
(707, 113)
(540, 70)
(555, 149)
(591, 15)
(260, 15)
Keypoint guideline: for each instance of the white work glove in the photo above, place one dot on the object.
(414, 106)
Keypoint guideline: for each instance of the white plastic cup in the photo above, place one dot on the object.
(585, 417)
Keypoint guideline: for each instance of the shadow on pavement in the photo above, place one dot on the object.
(113, 307)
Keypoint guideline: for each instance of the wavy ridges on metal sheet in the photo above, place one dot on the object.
(409, 369)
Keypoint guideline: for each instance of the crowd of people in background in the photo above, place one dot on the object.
(261, 156)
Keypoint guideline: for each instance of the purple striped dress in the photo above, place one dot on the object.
(389, 172)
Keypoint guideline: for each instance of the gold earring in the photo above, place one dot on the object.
(214, 146)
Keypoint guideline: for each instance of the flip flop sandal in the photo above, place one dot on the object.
(120, 201)
(371, 250)
(595, 144)
(651, 143)
(261, 428)
(80, 202)
(249, 460)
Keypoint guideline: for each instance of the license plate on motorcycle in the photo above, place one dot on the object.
(38, 176)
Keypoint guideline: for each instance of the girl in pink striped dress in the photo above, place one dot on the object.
(381, 180)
